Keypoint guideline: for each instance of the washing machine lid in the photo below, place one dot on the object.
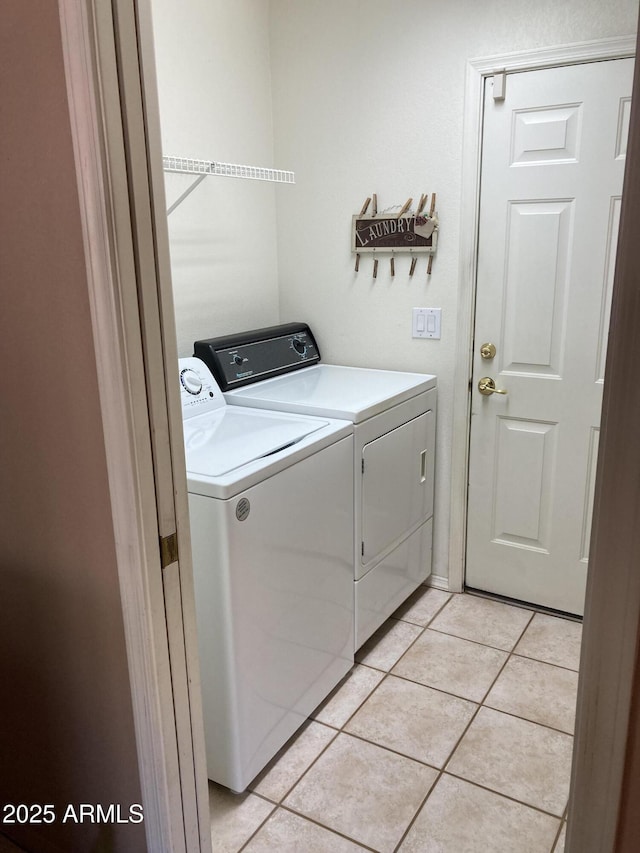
(220, 442)
(334, 391)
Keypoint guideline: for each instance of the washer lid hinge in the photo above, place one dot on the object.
(168, 550)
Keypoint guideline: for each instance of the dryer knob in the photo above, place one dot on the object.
(191, 381)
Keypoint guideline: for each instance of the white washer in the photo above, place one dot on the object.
(394, 416)
(271, 516)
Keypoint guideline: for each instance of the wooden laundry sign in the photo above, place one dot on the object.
(409, 231)
(395, 233)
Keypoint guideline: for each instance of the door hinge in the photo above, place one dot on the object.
(168, 550)
(499, 84)
(362, 550)
(363, 466)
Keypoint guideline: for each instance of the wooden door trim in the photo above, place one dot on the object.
(603, 814)
(111, 232)
(142, 140)
(477, 71)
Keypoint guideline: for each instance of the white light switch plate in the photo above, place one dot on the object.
(426, 322)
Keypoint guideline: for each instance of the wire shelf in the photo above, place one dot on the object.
(190, 166)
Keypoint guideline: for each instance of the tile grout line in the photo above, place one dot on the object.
(340, 728)
(431, 618)
(431, 687)
(527, 720)
(505, 796)
(258, 828)
(314, 821)
(547, 662)
(418, 811)
(304, 772)
(415, 639)
(558, 834)
(393, 751)
(444, 772)
(478, 642)
(508, 658)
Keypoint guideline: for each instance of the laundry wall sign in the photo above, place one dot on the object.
(410, 231)
(395, 233)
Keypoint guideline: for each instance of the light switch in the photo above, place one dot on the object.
(426, 322)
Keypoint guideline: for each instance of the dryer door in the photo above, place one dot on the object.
(397, 484)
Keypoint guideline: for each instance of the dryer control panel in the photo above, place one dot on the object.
(199, 391)
(237, 360)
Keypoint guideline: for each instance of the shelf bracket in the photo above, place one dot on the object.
(187, 192)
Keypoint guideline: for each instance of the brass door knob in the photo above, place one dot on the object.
(488, 350)
(487, 386)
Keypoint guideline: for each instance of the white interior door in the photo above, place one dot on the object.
(552, 171)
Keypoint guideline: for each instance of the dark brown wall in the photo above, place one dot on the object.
(66, 724)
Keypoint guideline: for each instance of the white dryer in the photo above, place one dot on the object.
(394, 417)
(271, 517)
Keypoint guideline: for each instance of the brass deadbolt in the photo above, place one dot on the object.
(488, 350)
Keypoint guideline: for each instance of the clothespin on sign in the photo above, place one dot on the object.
(362, 213)
(414, 261)
(431, 212)
(405, 207)
(393, 266)
(375, 268)
(423, 201)
(374, 209)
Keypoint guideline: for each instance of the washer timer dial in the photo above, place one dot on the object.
(299, 346)
(191, 382)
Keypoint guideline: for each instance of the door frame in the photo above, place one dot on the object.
(607, 707)
(112, 96)
(477, 72)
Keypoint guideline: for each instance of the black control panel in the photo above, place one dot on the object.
(237, 360)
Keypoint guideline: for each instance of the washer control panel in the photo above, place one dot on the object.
(237, 360)
(199, 391)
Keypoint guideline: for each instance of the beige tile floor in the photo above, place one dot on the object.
(452, 734)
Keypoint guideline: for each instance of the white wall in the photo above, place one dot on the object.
(356, 98)
(215, 104)
(369, 97)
